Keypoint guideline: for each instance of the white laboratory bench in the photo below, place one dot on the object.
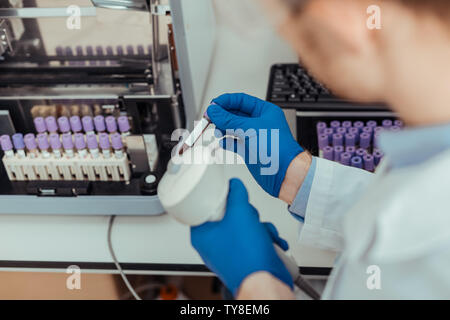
(158, 244)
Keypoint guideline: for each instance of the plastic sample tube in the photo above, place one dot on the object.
(371, 124)
(30, 143)
(320, 126)
(399, 123)
(364, 140)
(351, 150)
(323, 142)
(350, 140)
(338, 140)
(51, 124)
(64, 124)
(75, 124)
(356, 162)
(80, 145)
(386, 123)
(329, 132)
(341, 130)
(88, 125)
(358, 125)
(124, 125)
(55, 143)
(346, 125)
(111, 124)
(92, 145)
(43, 145)
(116, 142)
(99, 123)
(345, 158)
(335, 124)
(39, 124)
(19, 144)
(338, 150)
(7, 146)
(368, 130)
(67, 143)
(377, 155)
(105, 145)
(328, 153)
(360, 152)
(369, 163)
(395, 129)
(354, 131)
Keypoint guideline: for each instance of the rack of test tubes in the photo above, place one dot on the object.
(91, 149)
(353, 143)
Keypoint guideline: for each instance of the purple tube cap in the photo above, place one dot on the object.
(111, 124)
(364, 140)
(323, 141)
(371, 124)
(6, 143)
(92, 141)
(335, 124)
(124, 124)
(345, 158)
(387, 123)
(116, 141)
(99, 123)
(88, 123)
(80, 143)
(64, 124)
(103, 139)
(320, 126)
(51, 124)
(328, 153)
(358, 124)
(30, 141)
(43, 141)
(55, 142)
(18, 141)
(356, 162)
(75, 124)
(346, 124)
(341, 130)
(67, 141)
(39, 124)
(369, 162)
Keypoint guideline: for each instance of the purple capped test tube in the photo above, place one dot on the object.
(92, 144)
(39, 124)
(30, 143)
(324, 141)
(356, 162)
(376, 139)
(335, 124)
(350, 140)
(67, 143)
(320, 126)
(345, 158)
(7, 146)
(368, 130)
(369, 163)
(351, 150)
(346, 125)
(124, 125)
(395, 129)
(111, 124)
(55, 143)
(354, 131)
(338, 140)
(364, 140)
(371, 124)
(116, 142)
(386, 123)
(19, 144)
(64, 124)
(103, 139)
(378, 130)
(51, 124)
(399, 123)
(341, 130)
(88, 124)
(80, 145)
(99, 123)
(360, 152)
(328, 153)
(358, 125)
(75, 124)
(338, 150)
(42, 140)
(377, 156)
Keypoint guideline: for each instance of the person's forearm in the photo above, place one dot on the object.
(295, 175)
(264, 286)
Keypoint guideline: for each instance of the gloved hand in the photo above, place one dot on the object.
(264, 139)
(240, 244)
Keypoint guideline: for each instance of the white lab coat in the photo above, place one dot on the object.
(392, 226)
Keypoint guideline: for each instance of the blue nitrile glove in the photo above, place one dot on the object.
(256, 124)
(240, 244)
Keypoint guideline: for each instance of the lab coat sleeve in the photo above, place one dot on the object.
(328, 192)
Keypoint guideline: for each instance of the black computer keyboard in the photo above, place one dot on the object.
(291, 86)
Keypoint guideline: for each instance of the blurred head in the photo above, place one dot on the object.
(405, 63)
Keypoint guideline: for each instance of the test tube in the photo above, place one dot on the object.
(364, 140)
(338, 140)
(357, 162)
(358, 125)
(338, 150)
(341, 130)
(377, 155)
(399, 123)
(99, 123)
(7, 146)
(116, 142)
(39, 124)
(19, 144)
(67, 143)
(351, 150)
(368, 130)
(55, 143)
(369, 164)
(328, 153)
(346, 125)
(80, 145)
(345, 158)
(350, 140)
(64, 124)
(43, 145)
(354, 131)
(103, 139)
(320, 126)
(75, 124)
(88, 125)
(111, 124)
(323, 142)
(395, 129)
(329, 132)
(371, 124)
(335, 124)
(360, 152)
(124, 125)
(92, 145)
(376, 138)
(30, 143)
(386, 123)
(51, 124)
